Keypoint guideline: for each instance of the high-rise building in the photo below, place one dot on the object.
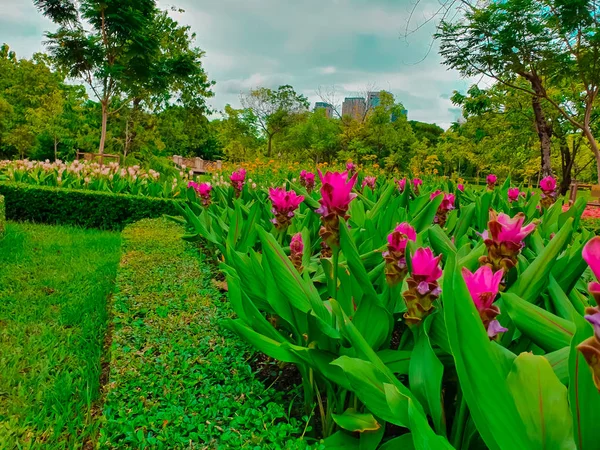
(373, 99)
(327, 107)
(354, 107)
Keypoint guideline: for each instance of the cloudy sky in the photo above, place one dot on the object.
(350, 44)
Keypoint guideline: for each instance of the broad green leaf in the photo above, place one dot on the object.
(425, 218)
(404, 442)
(547, 330)
(425, 376)
(563, 306)
(423, 436)
(542, 402)
(481, 378)
(341, 441)
(532, 282)
(352, 420)
(584, 398)
(559, 361)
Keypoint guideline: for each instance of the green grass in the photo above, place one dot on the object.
(54, 283)
(177, 379)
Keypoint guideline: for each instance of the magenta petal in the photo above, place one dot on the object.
(494, 328)
(591, 255)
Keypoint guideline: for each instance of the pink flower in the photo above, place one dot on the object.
(505, 229)
(426, 267)
(401, 184)
(370, 182)
(460, 187)
(398, 238)
(513, 194)
(417, 182)
(307, 179)
(548, 184)
(591, 255)
(350, 167)
(447, 203)
(237, 179)
(491, 179)
(202, 190)
(483, 286)
(284, 204)
(297, 246)
(336, 192)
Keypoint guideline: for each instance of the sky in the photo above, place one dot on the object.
(350, 44)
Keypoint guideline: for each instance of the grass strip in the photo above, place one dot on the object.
(178, 380)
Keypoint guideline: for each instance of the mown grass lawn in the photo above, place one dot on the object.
(54, 285)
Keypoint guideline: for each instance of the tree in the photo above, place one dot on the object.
(274, 109)
(48, 118)
(545, 42)
(107, 43)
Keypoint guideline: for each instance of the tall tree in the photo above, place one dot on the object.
(546, 43)
(107, 43)
(274, 109)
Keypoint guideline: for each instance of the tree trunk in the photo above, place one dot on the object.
(544, 131)
(567, 161)
(269, 146)
(104, 104)
(594, 145)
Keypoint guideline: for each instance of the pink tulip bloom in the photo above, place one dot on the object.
(202, 190)
(401, 184)
(370, 182)
(336, 191)
(425, 266)
(284, 204)
(460, 187)
(548, 184)
(591, 255)
(483, 286)
(513, 194)
(350, 167)
(417, 182)
(447, 203)
(504, 229)
(398, 238)
(238, 178)
(491, 179)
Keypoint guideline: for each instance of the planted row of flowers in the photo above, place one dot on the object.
(93, 176)
(445, 315)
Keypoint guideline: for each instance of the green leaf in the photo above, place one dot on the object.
(425, 376)
(584, 397)
(481, 377)
(404, 442)
(423, 436)
(559, 361)
(425, 218)
(352, 420)
(341, 441)
(547, 330)
(534, 279)
(382, 202)
(542, 402)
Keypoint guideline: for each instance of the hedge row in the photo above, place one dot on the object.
(2, 216)
(89, 209)
(177, 380)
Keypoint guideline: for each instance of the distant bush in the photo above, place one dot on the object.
(89, 209)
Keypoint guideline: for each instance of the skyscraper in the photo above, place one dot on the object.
(327, 107)
(354, 107)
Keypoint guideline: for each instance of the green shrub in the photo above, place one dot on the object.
(90, 209)
(2, 216)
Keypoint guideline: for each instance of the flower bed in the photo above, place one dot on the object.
(421, 313)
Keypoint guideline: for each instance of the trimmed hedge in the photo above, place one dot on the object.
(89, 209)
(2, 217)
